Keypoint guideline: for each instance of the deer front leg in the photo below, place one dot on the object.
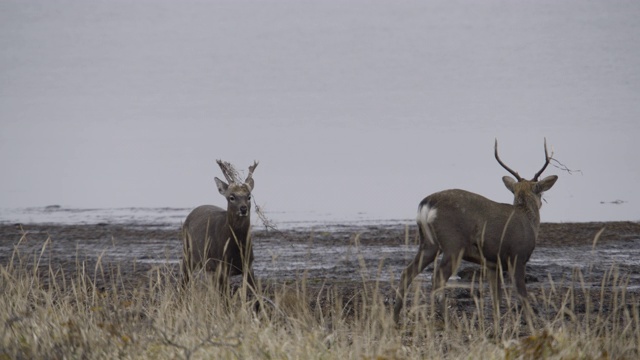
(251, 281)
(222, 279)
(424, 257)
(495, 284)
(519, 279)
(251, 285)
(219, 272)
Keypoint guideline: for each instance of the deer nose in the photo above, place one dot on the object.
(243, 209)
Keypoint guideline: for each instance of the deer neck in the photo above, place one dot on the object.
(238, 225)
(529, 205)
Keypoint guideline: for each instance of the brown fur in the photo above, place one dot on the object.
(218, 241)
(473, 228)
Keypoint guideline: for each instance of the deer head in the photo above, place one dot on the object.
(528, 191)
(236, 191)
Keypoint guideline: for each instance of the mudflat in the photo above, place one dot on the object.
(342, 257)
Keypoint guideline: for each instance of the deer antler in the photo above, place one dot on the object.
(229, 172)
(514, 173)
(249, 180)
(547, 160)
(251, 169)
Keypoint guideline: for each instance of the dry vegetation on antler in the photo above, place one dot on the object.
(46, 313)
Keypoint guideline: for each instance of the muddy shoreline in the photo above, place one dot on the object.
(342, 257)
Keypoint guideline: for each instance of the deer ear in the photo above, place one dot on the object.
(510, 183)
(545, 184)
(222, 186)
(250, 184)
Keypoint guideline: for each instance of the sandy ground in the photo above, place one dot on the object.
(338, 257)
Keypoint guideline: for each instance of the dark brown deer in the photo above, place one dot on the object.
(463, 225)
(218, 241)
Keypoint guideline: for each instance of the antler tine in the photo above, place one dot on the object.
(228, 171)
(514, 173)
(547, 160)
(251, 169)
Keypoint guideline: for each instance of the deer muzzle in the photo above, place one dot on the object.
(244, 211)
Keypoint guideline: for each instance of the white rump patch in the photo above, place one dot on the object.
(426, 216)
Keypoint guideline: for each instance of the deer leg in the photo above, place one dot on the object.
(441, 275)
(220, 272)
(222, 280)
(185, 273)
(520, 281)
(521, 288)
(425, 256)
(495, 284)
(186, 258)
(251, 283)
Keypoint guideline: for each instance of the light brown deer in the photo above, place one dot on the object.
(219, 241)
(463, 225)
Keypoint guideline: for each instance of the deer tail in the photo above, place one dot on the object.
(426, 216)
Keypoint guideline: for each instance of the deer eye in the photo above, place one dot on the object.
(232, 198)
(249, 197)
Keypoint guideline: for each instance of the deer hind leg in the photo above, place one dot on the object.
(185, 268)
(187, 257)
(425, 256)
(185, 273)
(441, 274)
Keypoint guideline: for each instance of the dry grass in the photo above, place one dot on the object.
(46, 313)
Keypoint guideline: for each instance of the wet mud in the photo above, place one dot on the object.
(338, 257)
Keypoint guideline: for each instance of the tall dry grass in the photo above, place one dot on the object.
(48, 313)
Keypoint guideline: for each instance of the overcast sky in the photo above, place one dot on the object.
(353, 108)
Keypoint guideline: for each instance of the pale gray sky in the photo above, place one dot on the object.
(358, 107)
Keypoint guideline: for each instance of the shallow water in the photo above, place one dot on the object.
(171, 218)
(159, 217)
